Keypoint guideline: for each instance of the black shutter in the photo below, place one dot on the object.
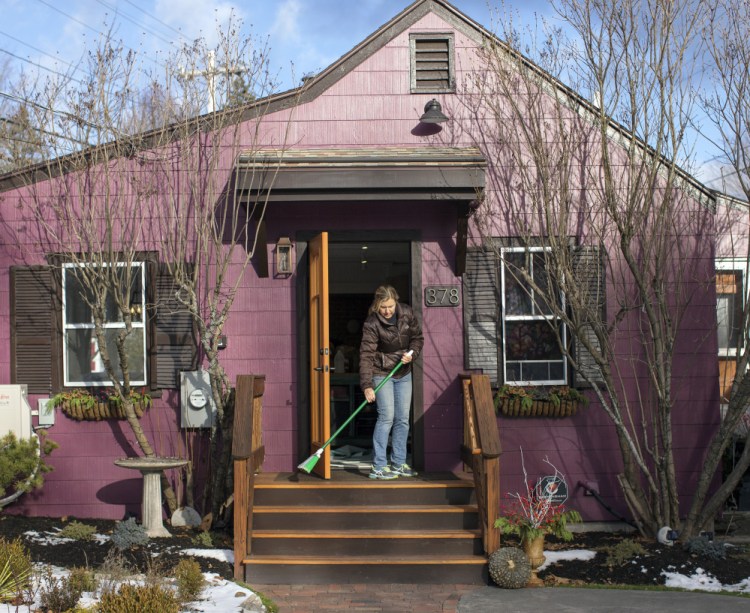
(32, 308)
(176, 346)
(588, 264)
(481, 313)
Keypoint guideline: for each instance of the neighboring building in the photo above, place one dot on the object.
(393, 199)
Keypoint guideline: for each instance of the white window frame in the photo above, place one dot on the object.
(737, 265)
(448, 37)
(111, 325)
(536, 317)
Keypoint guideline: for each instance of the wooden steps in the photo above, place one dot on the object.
(352, 529)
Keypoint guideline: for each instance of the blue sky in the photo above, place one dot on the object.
(305, 35)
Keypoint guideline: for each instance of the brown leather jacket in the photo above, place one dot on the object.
(384, 343)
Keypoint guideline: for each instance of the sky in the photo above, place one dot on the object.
(304, 36)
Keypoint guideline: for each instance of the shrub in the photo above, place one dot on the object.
(190, 580)
(83, 579)
(78, 532)
(15, 569)
(203, 539)
(22, 466)
(113, 571)
(704, 548)
(623, 552)
(139, 599)
(128, 534)
(59, 594)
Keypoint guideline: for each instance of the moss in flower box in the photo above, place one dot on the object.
(81, 404)
(538, 401)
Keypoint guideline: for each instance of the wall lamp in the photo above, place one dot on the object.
(433, 113)
(284, 261)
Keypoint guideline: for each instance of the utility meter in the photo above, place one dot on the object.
(196, 405)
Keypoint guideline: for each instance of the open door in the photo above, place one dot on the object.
(320, 359)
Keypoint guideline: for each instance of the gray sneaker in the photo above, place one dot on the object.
(403, 471)
(384, 474)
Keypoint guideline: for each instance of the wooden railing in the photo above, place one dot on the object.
(481, 453)
(248, 453)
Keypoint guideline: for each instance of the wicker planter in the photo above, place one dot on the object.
(513, 407)
(86, 411)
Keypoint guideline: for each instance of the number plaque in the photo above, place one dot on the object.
(442, 296)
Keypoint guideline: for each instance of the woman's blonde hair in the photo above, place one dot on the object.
(383, 293)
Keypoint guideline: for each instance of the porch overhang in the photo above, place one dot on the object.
(389, 173)
(451, 175)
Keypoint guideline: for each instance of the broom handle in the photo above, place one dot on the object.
(364, 403)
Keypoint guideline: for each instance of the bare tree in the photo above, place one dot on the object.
(157, 178)
(209, 231)
(729, 107)
(611, 233)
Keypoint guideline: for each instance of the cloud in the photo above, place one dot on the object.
(285, 28)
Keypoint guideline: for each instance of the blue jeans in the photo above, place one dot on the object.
(394, 402)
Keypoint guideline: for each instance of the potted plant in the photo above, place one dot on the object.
(534, 515)
(538, 401)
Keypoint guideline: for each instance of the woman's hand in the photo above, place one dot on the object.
(370, 394)
(407, 357)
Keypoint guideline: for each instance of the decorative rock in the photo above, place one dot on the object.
(186, 516)
(509, 567)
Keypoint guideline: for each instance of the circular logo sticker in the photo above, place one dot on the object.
(552, 487)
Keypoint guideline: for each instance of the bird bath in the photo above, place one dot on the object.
(151, 469)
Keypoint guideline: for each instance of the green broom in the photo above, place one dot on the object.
(308, 465)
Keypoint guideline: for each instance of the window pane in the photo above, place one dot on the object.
(548, 290)
(517, 298)
(531, 340)
(76, 310)
(84, 365)
(729, 308)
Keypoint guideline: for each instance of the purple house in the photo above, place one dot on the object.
(376, 184)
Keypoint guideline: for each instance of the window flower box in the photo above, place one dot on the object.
(81, 405)
(519, 401)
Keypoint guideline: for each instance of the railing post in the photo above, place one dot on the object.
(248, 453)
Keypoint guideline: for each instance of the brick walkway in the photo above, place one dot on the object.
(390, 598)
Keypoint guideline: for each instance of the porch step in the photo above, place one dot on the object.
(352, 529)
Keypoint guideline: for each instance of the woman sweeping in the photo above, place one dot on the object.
(389, 332)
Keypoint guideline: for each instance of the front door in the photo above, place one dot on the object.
(320, 358)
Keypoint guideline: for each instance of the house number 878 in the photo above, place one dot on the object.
(442, 295)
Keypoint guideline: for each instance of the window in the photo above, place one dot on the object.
(432, 68)
(37, 343)
(531, 350)
(729, 305)
(507, 329)
(82, 361)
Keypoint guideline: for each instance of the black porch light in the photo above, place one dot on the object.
(433, 113)
(284, 262)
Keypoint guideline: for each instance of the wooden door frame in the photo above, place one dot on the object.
(413, 237)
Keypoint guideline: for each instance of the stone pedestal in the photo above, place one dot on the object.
(151, 469)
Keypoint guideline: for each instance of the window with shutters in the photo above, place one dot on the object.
(52, 341)
(510, 332)
(432, 63)
(82, 359)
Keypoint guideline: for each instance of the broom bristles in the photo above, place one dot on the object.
(308, 465)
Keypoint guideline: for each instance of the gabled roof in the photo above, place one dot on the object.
(317, 84)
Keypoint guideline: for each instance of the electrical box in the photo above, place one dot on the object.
(46, 413)
(196, 402)
(15, 412)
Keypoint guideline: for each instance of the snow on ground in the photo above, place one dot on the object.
(219, 595)
(222, 596)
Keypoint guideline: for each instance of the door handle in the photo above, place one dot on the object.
(320, 369)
